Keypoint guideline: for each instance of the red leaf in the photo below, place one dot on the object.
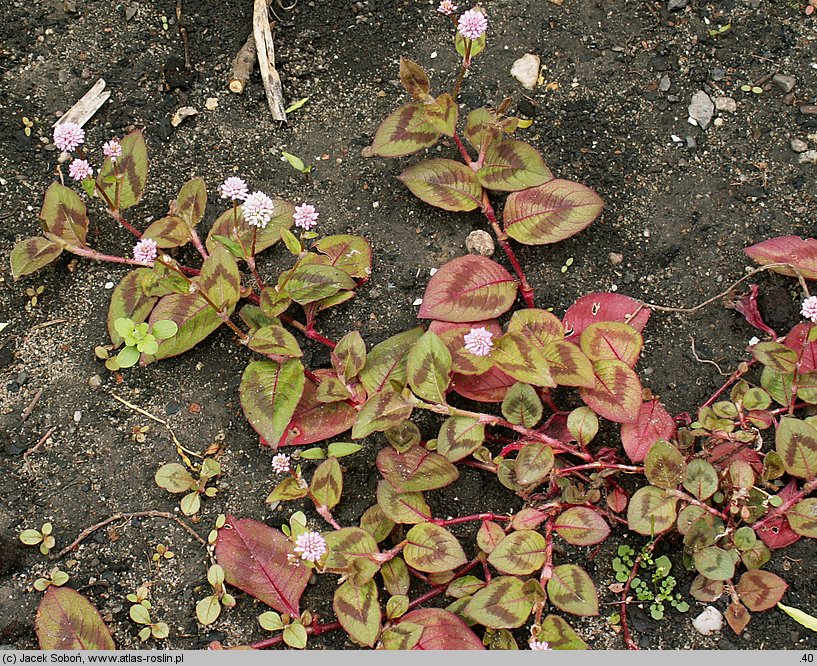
(777, 533)
(490, 386)
(801, 253)
(653, 423)
(603, 306)
(725, 454)
(797, 339)
(255, 558)
(747, 306)
(66, 620)
(442, 631)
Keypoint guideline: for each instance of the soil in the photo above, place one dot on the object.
(678, 212)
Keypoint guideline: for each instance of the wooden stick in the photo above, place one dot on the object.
(265, 50)
(87, 106)
(243, 64)
(37, 446)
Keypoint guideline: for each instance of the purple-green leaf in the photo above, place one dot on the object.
(327, 483)
(219, 278)
(444, 183)
(429, 365)
(191, 201)
(651, 511)
(170, 231)
(459, 437)
(760, 590)
(517, 355)
(502, 604)
(402, 507)
(468, 289)
(519, 554)
(350, 549)
(581, 526)
(611, 341)
(617, 393)
(414, 79)
(349, 356)
(432, 549)
(256, 560)
(559, 635)
(442, 114)
(800, 253)
(441, 630)
(194, 317)
(551, 212)
(405, 131)
(66, 620)
(382, 411)
(32, 254)
(664, 465)
(132, 165)
(386, 362)
(512, 165)
(270, 392)
(533, 463)
(274, 340)
(570, 589)
(415, 470)
(796, 443)
(351, 254)
(64, 216)
(358, 611)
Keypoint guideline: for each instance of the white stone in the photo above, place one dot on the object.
(526, 70)
(726, 104)
(701, 109)
(709, 622)
(480, 242)
(809, 157)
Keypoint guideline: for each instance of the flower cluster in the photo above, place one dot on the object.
(234, 189)
(447, 7)
(145, 251)
(280, 463)
(80, 169)
(809, 309)
(539, 645)
(258, 209)
(112, 149)
(472, 24)
(311, 546)
(306, 216)
(68, 136)
(479, 341)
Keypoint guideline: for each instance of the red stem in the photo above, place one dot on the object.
(467, 519)
(312, 630)
(788, 504)
(737, 374)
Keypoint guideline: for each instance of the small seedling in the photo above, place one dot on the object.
(27, 125)
(41, 537)
(56, 578)
(34, 294)
(175, 478)
(140, 613)
(757, 90)
(714, 32)
(209, 608)
(162, 553)
(294, 631)
(139, 434)
(296, 162)
(655, 586)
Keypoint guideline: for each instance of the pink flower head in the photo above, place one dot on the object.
(447, 7)
(539, 645)
(258, 209)
(280, 463)
(479, 341)
(145, 251)
(68, 136)
(809, 309)
(306, 216)
(80, 169)
(472, 24)
(234, 189)
(311, 546)
(112, 149)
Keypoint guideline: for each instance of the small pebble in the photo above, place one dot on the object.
(799, 146)
(109, 285)
(480, 242)
(809, 109)
(526, 70)
(808, 157)
(77, 416)
(709, 622)
(784, 82)
(172, 408)
(615, 258)
(95, 381)
(726, 104)
(664, 83)
(718, 122)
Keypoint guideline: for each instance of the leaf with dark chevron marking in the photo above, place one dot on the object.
(444, 183)
(32, 254)
(64, 216)
(132, 165)
(404, 131)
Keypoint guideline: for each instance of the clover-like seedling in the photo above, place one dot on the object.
(139, 339)
(209, 608)
(175, 478)
(140, 613)
(56, 578)
(161, 553)
(139, 434)
(294, 630)
(41, 537)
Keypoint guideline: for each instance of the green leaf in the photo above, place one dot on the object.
(162, 330)
(701, 479)
(312, 282)
(208, 609)
(382, 411)
(405, 131)
(779, 386)
(191, 201)
(414, 79)
(331, 389)
(219, 278)
(583, 424)
(714, 563)
(270, 393)
(522, 405)
(651, 511)
(559, 635)
(489, 535)
(775, 356)
(617, 393)
(417, 469)
(32, 254)
(477, 45)
(803, 518)
(271, 621)
(705, 590)
(403, 636)
(175, 478)
(406, 508)
(459, 437)
(432, 549)
(327, 483)
(397, 606)
(808, 621)
(296, 162)
(444, 183)
(133, 167)
(464, 587)
(193, 316)
(796, 443)
(288, 489)
(664, 465)
(468, 289)
(612, 341)
(31, 537)
(387, 361)
(396, 577)
(295, 635)
(581, 526)
(127, 357)
(64, 216)
(349, 356)
(429, 364)
(442, 114)
(350, 549)
(274, 340)
(65, 620)
(518, 554)
(760, 590)
(296, 105)
(170, 231)
(533, 463)
(130, 301)
(571, 590)
(139, 614)
(512, 165)
(190, 503)
(341, 449)
(551, 212)
(358, 612)
(351, 254)
(518, 356)
(403, 436)
(230, 224)
(502, 604)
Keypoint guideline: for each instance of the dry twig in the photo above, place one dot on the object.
(36, 447)
(265, 50)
